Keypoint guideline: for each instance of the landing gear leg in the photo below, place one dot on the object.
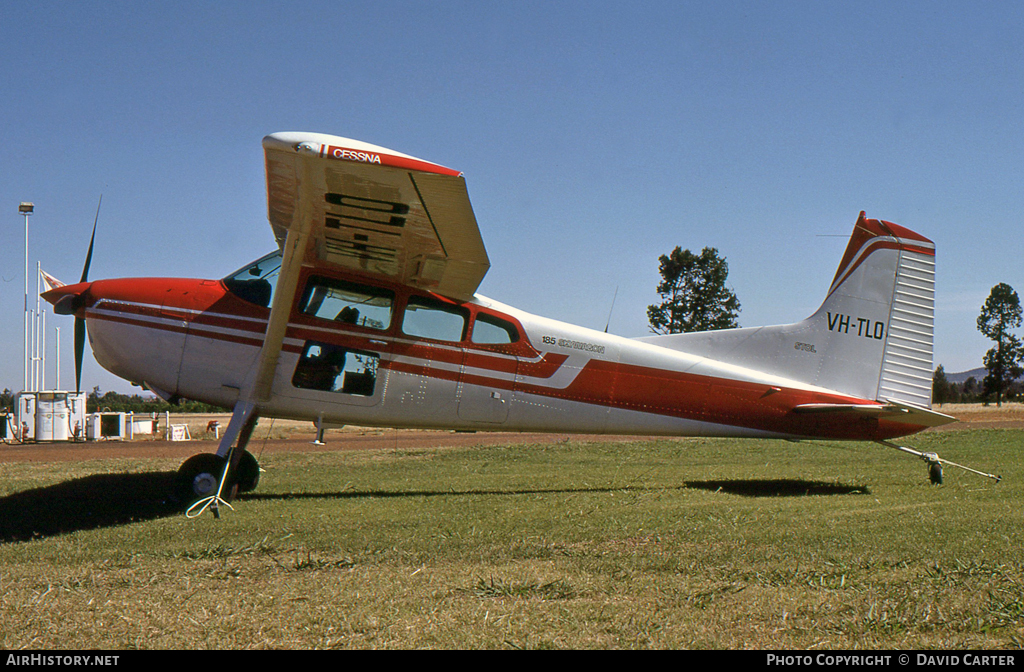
(207, 481)
(935, 463)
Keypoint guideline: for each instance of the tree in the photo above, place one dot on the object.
(942, 389)
(693, 292)
(117, 403)
(1001, 314)
(1004, 367)
(969, 390)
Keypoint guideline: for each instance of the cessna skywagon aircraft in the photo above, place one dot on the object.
(366, 314)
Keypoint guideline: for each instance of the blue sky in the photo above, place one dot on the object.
(594, 137)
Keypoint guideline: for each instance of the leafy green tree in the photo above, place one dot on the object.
(694, 294)
(969, 390)
(116, 402)
(1004, 367)
(942, 389)
(999, 316)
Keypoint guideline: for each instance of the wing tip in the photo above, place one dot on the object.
(346, 149)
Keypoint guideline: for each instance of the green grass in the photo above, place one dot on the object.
(676, 543)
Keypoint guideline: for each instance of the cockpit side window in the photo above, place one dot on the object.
(256, 282)
(348, 303)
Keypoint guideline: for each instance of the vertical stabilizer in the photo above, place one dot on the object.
(871, 337)
(884, 291)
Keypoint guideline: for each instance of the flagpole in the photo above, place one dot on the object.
(40, 332)
(25, 209)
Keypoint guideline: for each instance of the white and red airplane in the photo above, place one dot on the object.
(366, 314)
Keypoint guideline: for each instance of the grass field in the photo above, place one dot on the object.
(664, 544)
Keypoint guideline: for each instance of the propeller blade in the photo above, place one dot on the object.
(80, 321)
(88, 257)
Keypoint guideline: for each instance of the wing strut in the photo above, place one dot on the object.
(287, 285)
(246, 411)
(292, 254)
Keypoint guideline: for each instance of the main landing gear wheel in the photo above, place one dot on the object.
(199, 477)
(935, 473)
(247, 473)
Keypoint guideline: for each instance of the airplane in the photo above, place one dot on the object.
(367, 314)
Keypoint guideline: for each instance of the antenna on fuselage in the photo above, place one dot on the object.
(608, 323)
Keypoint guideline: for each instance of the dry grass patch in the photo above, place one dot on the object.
(695, 544)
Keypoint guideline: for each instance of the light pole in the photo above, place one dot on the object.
(57, 382)
(39, 361)
(25, 209)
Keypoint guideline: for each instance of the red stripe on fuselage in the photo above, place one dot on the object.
(205, 307)
(691, 397)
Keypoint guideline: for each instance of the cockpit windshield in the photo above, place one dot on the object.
(256, 282)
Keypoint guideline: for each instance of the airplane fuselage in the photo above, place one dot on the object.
(413, 359)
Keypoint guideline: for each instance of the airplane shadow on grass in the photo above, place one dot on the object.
(109, 500)
(746, 488)
(779, 487)
(101, 500)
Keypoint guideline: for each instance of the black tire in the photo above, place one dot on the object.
(198, 477)
(247, 473)
(935, 473)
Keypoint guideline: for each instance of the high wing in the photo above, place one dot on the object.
(375, 211)
(340, 202)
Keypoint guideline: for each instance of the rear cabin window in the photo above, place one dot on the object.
(488, 330)
(348, 303)
(429, 318)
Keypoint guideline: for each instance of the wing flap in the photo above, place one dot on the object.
(463, 259)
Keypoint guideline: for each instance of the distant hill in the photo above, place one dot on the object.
(978, 374)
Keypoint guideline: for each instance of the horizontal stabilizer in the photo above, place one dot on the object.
(911, 415)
